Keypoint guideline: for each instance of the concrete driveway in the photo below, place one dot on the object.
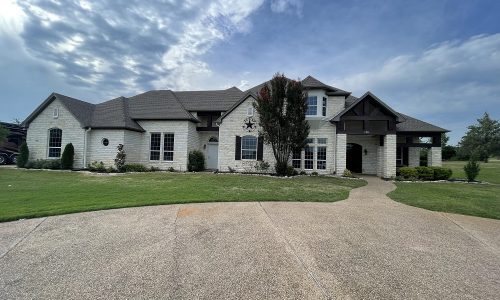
(365, 247)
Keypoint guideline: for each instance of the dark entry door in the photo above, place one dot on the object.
(354, 158)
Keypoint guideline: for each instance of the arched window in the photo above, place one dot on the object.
(213, 140)
(249, 147)
(55, 142)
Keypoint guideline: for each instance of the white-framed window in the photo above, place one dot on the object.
(322, 141)
(155, 146)
(309, 157)
(249, 147)
(321, 157)
(55, 113)
(250, 112)
(310, 141)
(55, 142)
(312, 106)
(324, 107)
(168, 147)
(297, 159)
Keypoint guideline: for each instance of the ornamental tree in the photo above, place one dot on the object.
(120, 158)
(282, 118)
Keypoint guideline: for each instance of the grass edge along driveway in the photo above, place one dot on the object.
(39, 193)
(480, 200)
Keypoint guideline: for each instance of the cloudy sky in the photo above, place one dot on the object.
(435, 60)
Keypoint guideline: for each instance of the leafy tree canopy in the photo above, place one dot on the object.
(482, 139)
(4, 132)
(282, 109)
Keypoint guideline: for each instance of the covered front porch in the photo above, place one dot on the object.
(371, 139)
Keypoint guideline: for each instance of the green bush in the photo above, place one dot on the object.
(23, 156)
(97, 167)
(290, 171)
(347, 173)
(68, 157)
(302, 173)
(472, 169)
(196, 161)
(135, 168)
(281, 169)
(314, 174)
(171, 169)
(53, 164)
(154, 169)
(408, 173)
(425, 173)
(441, 173)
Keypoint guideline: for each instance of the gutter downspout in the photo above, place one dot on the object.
(85, 147)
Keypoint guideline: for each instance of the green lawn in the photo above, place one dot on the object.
(35, 193)
(482, 200)
(490, 172)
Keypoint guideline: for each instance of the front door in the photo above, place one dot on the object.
(354, 158)
(212, 155)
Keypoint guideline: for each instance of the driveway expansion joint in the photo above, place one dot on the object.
(2, 255)
(280, 232)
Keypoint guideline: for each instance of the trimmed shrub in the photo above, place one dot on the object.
(23, 156)
(171, 169)
(68, 157)
(302, 173)
(314, 174)
(441, 173)
(53, 164)
(347, 173)
(135, 168)
(97, 167)
(408, 173)
(120, 158)
(472, 169)
(196, 161)
(290, 171)
(425, 173)
(281, 169)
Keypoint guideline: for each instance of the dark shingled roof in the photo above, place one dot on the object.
(168, 105)
(219, 100)
(414, 125)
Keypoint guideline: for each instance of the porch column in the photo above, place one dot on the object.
(434, 157)
(413, 156)
(340, 153)
(389, 155)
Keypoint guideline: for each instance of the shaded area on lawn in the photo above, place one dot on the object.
(35, 193)
(481, 200)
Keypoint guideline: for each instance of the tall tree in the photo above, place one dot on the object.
(481, 140)
(4, 132)
(282, 118)
(447, 151)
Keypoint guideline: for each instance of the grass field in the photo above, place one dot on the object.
(482, 200)
(35, 193)
(490, 172)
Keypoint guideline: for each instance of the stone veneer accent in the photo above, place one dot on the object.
(413, 157)
(389, 156)
(369, 144)
(340, 153)
(434, 157)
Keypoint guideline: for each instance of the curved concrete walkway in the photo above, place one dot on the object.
(365, 247)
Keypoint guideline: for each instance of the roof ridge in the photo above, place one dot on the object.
(182, 105)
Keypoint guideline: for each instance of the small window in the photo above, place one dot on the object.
(105, 142)
(56, 113)
(168, 147)
(296, 159)
(213, 140)
(322, 141)
(312, 106)
(154, 147)
(310, 141)
(308, 158)
(55, 142)
(250, 112)
(321, 158)
(249, 147)
(324, 106)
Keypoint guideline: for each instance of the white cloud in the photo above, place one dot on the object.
(184, 68)
(287, 6)
(450, 81)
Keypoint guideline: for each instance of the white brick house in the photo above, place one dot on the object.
(160, 128)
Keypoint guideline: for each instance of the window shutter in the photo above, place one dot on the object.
(237, 150)
(260, 148)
